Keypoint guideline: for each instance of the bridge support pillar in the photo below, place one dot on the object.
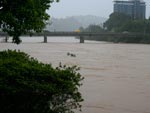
(45, 39)
(81, 39)
(6, 39)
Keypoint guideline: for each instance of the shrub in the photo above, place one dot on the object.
(27, 85)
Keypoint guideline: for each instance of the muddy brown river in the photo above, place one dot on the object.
(117, 76)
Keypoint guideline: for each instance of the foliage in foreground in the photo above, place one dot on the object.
(27, 85)
(22, 16)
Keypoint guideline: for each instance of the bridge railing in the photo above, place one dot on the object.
(81, 34)
(86, 34)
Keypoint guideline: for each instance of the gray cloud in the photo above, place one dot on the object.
(101, 8)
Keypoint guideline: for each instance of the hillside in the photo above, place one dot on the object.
(73, 23)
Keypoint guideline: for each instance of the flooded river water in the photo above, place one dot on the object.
(117, 76)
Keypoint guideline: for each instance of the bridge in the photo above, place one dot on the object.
(81, 35)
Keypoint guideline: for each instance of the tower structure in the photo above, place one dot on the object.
(134, 8)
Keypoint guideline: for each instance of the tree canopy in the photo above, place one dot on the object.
(92, 28)
(116, 20)
(22, 16)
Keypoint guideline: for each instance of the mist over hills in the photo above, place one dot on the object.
(74, 22)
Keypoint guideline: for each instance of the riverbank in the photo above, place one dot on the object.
(116, 75)
(145, 39)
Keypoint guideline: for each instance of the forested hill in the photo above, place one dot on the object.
(73, 23)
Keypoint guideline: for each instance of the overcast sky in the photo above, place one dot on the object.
(101, 8)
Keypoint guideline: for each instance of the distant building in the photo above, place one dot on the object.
(134, 8)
